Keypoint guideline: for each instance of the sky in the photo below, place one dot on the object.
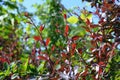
(67, 3)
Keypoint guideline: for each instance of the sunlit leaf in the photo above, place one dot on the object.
(21, 0)
(83, 16)
(72, 19)
(41, 66)
(28, 29)
(13, 0)
(89, 16)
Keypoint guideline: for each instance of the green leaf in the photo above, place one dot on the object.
(7, 69)
(82, 16)
(13, 0)
(41, 66)
(14, 76)
(25, 65)
(58, 66)
(21, 1)
(1, 48)
(1, 73)
(32, 67)
(89, 16)
(28, 29)
(72, 19)
(13, 66)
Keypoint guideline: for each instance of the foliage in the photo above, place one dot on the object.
(63, 45)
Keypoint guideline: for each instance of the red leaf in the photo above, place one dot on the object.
(33, 51)
(53, 47)
(93, 26)
(77, 76)
(64, 55)
(73, 48)
(73, 45)
(80, 50)
(84, 73)
(37, 38)
(87, 29)
(43, 58)
(47, 41)
(65, 16)
(62, 68)
(88, 22)
(66, 30)
(100, 71)
(57, 61)
(97, 12)
(101, 21)
(3, 60)
(100, 38)
(101, 63)
(58, 31)
(113, 0)
(75, 38)
(41, 28)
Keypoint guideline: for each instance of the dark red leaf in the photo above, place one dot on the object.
(93, 26)
(84, 73)
(101, 21)
(65, 16)
(77, 76)
(41, 28)
(64, 55)
(80, 50)
(33, 51)
(88, 22)
(97, 12)
(37, 38)
(3, 60)
(87, 29)
(55, 78)
(103, 9)
(47, 41)
(62, 68)
(101, 63)
(100, 71)
(75, 38)
(113, 0)
(43, 58)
